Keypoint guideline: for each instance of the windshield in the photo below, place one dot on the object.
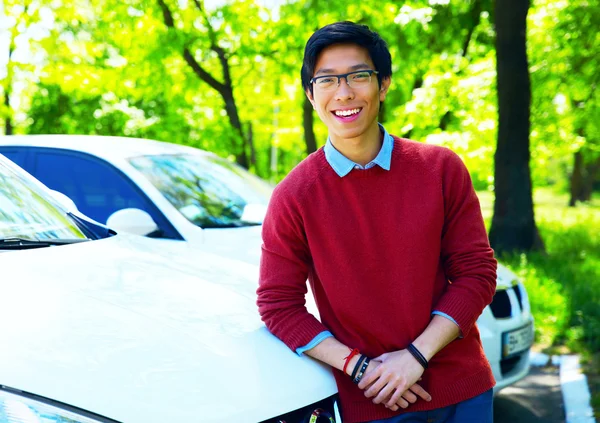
(209, 191)
(25, 213)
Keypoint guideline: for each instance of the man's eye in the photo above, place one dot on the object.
(360, 76)
(326, 81)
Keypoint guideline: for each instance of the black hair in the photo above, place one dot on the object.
(346, 33)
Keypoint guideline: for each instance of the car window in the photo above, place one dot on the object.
(17, 157)
(96, 187)
(209, 192)
(24, 213)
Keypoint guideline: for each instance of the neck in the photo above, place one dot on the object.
(362, 149)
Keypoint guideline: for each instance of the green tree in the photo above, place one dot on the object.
(563, 47)
(19, 16)
(121, 68)
(513, 224)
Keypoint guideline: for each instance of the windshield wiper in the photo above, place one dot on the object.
(24, 243)
(90, 229)
(238, 224)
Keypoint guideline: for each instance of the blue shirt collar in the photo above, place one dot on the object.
(343, 165)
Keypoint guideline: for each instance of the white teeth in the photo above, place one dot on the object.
(346, 112)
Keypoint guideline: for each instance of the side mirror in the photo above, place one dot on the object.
(134, 221)
(68, 204)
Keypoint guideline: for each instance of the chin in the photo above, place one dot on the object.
(348, 133)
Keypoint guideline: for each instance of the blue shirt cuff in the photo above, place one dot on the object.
(316, 341)
(439, 313)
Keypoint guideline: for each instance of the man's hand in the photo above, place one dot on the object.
(393, 380)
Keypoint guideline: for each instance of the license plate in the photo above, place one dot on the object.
(517, 341)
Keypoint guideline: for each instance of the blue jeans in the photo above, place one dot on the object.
(475, 410)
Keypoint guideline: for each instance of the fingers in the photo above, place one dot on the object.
(410, 397)
(384, 393)
(372, 373)
(376, 387)
(394, 399)
(402, 403)
(402, 399)
(393, 407)
(388, 384)
(419, 391)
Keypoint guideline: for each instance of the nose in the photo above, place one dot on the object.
(344, 91)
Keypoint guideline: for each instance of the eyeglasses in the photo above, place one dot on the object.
(355, 79)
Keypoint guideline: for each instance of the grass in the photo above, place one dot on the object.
(563, 284)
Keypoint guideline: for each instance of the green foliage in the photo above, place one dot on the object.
(548, 303)
(124, 73)
(563, 284)
(563, 51)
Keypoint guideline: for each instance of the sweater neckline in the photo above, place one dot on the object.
(362, 173)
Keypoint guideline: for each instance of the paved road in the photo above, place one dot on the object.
(535, 399)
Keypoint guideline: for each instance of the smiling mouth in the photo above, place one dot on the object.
(347, 113)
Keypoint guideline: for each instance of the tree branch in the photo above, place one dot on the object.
(214, 46)
(167, 15)
(202, 74)
(187, 54)
(224, 63)
(475, 19)
(211, 32)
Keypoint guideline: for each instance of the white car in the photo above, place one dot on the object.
(106, 327)
(176, 192)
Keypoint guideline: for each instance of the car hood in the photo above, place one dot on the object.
(238, 243)
(112, 327)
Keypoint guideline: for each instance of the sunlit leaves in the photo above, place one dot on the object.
(107, 53)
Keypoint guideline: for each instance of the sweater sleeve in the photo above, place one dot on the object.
(466, 255)
(284, 266)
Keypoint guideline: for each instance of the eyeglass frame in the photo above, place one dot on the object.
(345, 76)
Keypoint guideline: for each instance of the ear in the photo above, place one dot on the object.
(385, 85)
(310, 98)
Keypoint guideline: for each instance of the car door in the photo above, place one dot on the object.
(97, 187)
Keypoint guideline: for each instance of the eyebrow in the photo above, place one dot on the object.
(352, 68)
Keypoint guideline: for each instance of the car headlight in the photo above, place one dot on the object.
(20, 407)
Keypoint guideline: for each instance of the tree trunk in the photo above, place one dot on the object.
(513, 224)
(241, 154)
(583, 178)
(576, 179)
(592, 174)
(8, 127)
(232, 110)
(250, 141)
(309, 132)
(8, 124)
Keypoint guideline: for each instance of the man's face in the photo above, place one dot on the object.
(359, 105)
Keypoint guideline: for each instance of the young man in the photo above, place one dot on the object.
(390, 235)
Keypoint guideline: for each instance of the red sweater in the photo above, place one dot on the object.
(381, 250)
